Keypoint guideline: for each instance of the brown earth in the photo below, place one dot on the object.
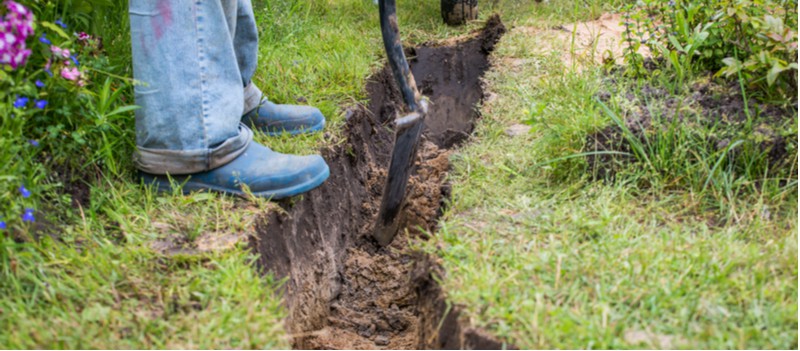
(583, 44)
(344, 291)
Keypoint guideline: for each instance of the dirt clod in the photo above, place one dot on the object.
(344, 291)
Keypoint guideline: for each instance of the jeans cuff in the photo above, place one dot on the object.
(252, 98)
(177, 162)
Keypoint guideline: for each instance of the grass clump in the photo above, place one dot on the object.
(679, 232)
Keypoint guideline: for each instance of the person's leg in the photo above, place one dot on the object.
(192, 101)
(245, 43)
(259, 112)
(191, 98)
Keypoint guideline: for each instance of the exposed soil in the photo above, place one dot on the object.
(343, 291)
(582, 43)
(75, 183)
(709, 106)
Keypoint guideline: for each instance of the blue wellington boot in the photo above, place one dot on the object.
(267, 173)
(274, 119)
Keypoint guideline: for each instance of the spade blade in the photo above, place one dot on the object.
(407, 133)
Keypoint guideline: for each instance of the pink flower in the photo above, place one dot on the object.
(20, 58)
(57, 51)
(13, 7)
(15, 27)
(83, 36)
(9, 38)
(19, 18)
(70, 73)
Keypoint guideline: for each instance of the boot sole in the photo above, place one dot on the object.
(163, 185)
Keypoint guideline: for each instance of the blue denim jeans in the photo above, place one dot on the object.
(193, 61)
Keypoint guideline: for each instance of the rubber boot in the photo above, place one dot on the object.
(274, 119)
(266, 173)
(458, 12)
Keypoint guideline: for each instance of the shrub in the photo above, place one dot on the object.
(751, 39)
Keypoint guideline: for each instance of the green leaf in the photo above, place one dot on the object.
(123, 109)
(55, 28)
(675, 43)
(773, 73)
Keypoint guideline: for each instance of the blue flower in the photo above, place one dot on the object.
(48, 71)
(3, 225)
(34, 142)
(41, 104)
(28, 215)
(75, 60)
(39, 84)
(58, 22)
(21, 101)
(44, 39)
(25, 193)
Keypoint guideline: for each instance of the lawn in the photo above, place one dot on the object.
(542, 251)
(548, 241)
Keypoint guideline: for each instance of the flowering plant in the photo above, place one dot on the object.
(48, 104)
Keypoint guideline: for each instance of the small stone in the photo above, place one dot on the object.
(349, 113)
(366, 331)
(382, 325)
(382, 340)
(518, 129)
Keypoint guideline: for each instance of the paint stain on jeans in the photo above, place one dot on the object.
(163, 21)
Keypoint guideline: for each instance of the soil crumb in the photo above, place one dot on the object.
(343, 290)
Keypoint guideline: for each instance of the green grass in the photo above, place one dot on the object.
(128, 271)
(679, 251)
(538, 253)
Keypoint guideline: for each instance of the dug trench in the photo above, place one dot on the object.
(342, 290)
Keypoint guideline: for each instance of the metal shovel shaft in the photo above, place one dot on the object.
(407, 129)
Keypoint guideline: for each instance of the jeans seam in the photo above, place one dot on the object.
(203, 78)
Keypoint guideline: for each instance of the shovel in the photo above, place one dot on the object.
(407, 128)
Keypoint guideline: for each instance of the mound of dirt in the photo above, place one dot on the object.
(343, 290)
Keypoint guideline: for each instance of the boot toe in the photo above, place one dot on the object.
(287, 175)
